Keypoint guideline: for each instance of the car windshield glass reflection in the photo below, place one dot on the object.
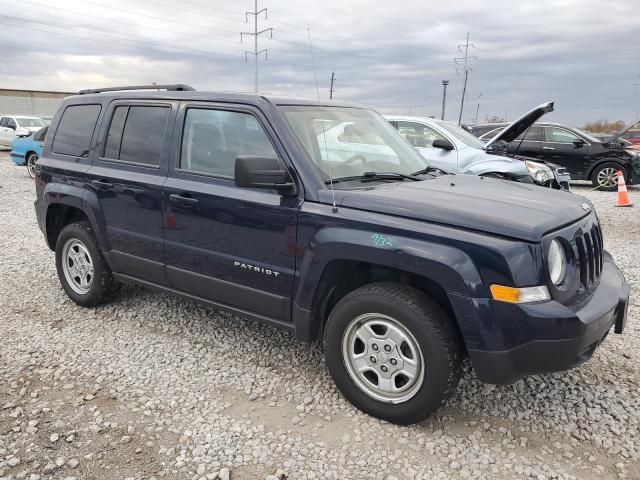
(352, 142)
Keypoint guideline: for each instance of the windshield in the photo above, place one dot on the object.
(346, 142)
(461, 134)
(28, 122)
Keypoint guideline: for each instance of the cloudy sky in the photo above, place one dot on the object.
(584, 54)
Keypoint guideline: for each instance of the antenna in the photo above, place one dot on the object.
(324, 137)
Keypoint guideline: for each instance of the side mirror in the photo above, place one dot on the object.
(262, 172)
(442, 143)
(578, 142)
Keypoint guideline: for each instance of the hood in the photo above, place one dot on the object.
(616, 135)
(520, 125)
(499, 207)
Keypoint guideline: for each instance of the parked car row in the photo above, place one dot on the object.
(322, 219)
(584, 156)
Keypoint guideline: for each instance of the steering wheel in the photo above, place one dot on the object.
(353, 159)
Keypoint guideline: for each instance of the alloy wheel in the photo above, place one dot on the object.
(607, 177)
(31, 165)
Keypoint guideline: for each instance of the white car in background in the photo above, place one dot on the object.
(12, 126)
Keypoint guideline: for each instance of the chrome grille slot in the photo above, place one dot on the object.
(582, 260)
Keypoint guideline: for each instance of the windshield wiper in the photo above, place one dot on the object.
(371, 176)
(431, 169)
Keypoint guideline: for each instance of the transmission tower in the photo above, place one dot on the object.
(255, 34)
(465, 70)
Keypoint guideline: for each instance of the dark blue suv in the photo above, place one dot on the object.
(322, 220)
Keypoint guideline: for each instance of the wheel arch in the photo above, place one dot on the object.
(621, 163)
(342, 276)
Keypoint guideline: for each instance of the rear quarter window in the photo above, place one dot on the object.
(74, 133)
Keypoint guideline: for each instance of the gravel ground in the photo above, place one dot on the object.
(150, 386)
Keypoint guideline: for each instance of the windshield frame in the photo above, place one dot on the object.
(301, 132)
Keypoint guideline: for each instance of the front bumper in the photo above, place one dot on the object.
(548, 336)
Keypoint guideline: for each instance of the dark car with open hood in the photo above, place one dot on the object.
(237, 201)
(584, 156)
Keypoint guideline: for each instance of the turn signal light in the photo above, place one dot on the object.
(519, 295)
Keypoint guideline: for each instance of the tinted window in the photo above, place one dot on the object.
(419, 135)
(114, 136)
(40, 134)
(11, 123)
(534, 134)
(212, 139)
(560, 135)
(492, 133)
(3, 121)
(136, 134)
(75, 130)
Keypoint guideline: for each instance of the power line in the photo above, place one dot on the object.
(256, 34)
(123, 22)
(66, 34)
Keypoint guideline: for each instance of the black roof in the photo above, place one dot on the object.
(224, 97)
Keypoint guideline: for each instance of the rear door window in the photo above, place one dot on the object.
(74, 133)
(136, 134)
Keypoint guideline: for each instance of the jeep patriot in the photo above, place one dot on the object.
(242, 202)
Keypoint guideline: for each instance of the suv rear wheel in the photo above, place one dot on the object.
(393, 352)
(83, 272)
(605, 176)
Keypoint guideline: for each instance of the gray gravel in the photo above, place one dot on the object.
(150, 386)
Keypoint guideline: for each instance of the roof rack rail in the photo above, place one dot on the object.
(178, 87)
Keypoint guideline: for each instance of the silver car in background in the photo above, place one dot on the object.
(452, 148)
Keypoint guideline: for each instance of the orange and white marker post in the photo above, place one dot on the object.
(623, 195)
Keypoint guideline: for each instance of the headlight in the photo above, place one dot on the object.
(557, 262)
(539, 172)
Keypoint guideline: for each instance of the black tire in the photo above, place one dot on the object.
(32, 158)
(102, 284)
(431, 328)
(600, 171)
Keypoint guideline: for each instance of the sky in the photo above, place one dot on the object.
(392, 55)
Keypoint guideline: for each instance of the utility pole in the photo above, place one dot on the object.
(465, 69)
(477, 110)
(444, 97)
(333, 77)
(255, 34)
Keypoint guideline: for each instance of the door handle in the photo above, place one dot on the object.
(181, 199)
(102, 185)
(548, 148)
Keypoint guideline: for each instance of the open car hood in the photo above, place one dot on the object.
(521, 124)
(615, 136)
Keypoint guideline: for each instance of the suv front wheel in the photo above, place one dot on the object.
(393, 352)
(82, 270)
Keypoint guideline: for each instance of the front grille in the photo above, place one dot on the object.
(588, 250)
